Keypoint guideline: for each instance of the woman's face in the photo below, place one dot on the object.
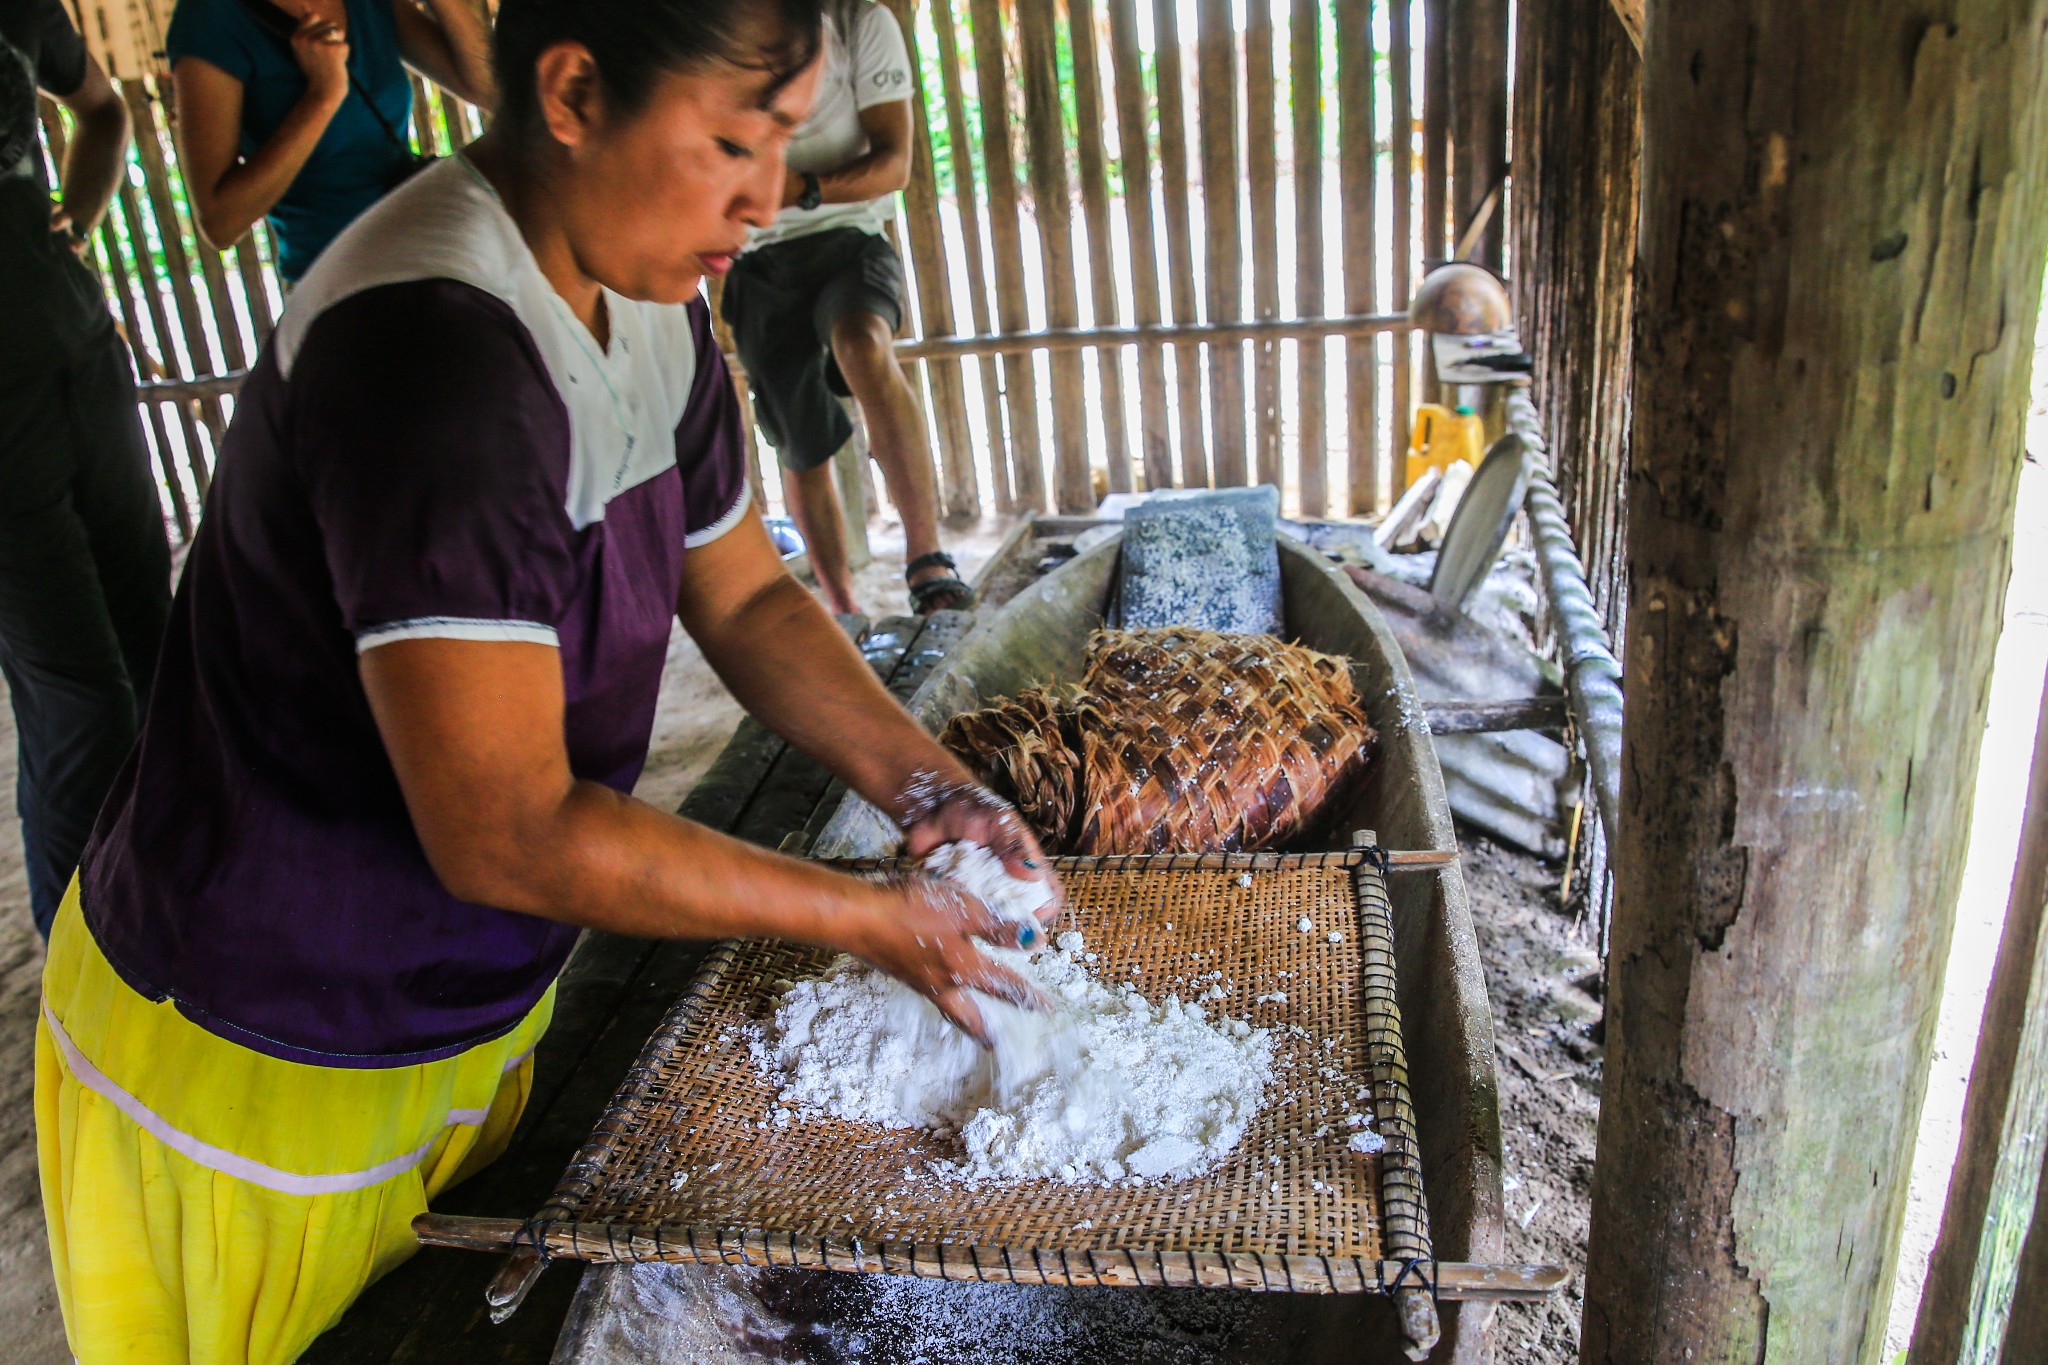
(653, 203)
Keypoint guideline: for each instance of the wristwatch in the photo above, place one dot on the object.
(813, 193)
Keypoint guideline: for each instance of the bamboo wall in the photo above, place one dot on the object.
(1239, 193)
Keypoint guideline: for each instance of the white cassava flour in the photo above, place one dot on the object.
(1106, 1086)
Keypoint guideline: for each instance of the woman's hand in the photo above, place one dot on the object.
(923, 933)
(321, 49)
(937, 809)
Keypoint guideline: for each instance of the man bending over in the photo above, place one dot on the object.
(815, 299)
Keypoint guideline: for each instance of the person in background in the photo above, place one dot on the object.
(297, 109)
(85, 571)
(815, 300)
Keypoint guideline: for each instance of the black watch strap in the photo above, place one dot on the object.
(813, 193)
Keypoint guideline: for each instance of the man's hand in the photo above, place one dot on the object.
(62, 226)
(941, 810)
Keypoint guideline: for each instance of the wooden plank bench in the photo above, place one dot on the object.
(613, 993)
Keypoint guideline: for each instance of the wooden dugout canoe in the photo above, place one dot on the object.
(1040, 636)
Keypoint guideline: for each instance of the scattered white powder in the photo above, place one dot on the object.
(1368, 1142)
(1336, 937)
(1244, 879)
(1305, 924)
(1107, 1086)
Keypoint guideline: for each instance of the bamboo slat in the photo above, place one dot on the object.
(1012, 305)
(1305, 99)
(945, 25)
(1088, 125)
(1436, 133)
(1355, 172)
(423, 116)
(1223, 258)
(1479, 97)
(148, 363)
(1180, 249)
(960, 492)
(131, 326)
(1135, 158)
(255, 286)
(177, 265)
(1262, 154)
(1046, 146)
(454, 117)
(1400, 53)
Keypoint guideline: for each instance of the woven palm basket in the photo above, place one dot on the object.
(1175, 741)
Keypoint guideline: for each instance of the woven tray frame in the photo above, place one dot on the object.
(616, 1202)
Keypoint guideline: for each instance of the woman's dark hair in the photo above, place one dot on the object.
(636, 42)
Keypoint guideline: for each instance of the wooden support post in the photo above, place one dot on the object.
(959, 490)
(1355, 164)
(1436, 135)
(1844, 222)
(1262, 158)
(1135, 156)
(1479, 117)
(1401, 164)
(1020, 384)
(1168, 70)
(1305, 98)
(1088, 121)
(967, 203)
(1223, 252)
(1992, 1194)
(1053, 208)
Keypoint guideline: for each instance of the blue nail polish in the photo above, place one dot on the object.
(1026, 936)
(1030, 863)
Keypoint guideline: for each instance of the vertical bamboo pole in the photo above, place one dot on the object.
(1046, 152)
(1223, 257)
(946, 26)
(1088, 124)
(423, 115)
(131, 324)
(1262, 155)
(1972, 1277)
(1829, 407)
(166, 358)
(1305, 95)
(452, 118)
(1436, 131)
(1180, 247)
(1401, 159)
(1012, 305)
(1479, 124)
(255, 288)
(1135, 156)
(960, 494)
(1355, 166)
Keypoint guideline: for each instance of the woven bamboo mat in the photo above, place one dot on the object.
(697, 1147)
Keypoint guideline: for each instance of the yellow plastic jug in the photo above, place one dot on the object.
(1440, 435)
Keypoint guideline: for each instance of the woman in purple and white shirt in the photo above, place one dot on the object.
(490, 454)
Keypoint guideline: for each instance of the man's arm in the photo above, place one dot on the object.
(98, 152)
(883, 169)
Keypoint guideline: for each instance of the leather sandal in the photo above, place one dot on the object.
(948, 592)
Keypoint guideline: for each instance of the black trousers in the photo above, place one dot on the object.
(84, 593)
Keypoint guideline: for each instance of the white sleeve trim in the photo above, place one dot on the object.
(458, 628)
(695, 539)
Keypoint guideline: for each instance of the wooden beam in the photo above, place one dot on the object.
(1262, 161)
(1479, 118)
(1168, 71)
(1134, 154)
(1223, 248)
(1076, 338)
(1487, 717)
(1053, 208)
(1401, 169)
(1436, 136)
(1973, 1276)
(1305, 100)
(1356, 163)
(1829, 408)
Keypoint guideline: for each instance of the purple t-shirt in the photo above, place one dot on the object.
(430, 446)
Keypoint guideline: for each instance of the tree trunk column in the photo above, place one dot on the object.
(1845, 217)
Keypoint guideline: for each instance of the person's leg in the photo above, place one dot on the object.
(863, 346)
(74, 706)
(812, 496)
(115, 491)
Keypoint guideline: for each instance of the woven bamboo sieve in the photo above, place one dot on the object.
(1292, 1209)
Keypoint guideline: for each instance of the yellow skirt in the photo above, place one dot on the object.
(207, 1203)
